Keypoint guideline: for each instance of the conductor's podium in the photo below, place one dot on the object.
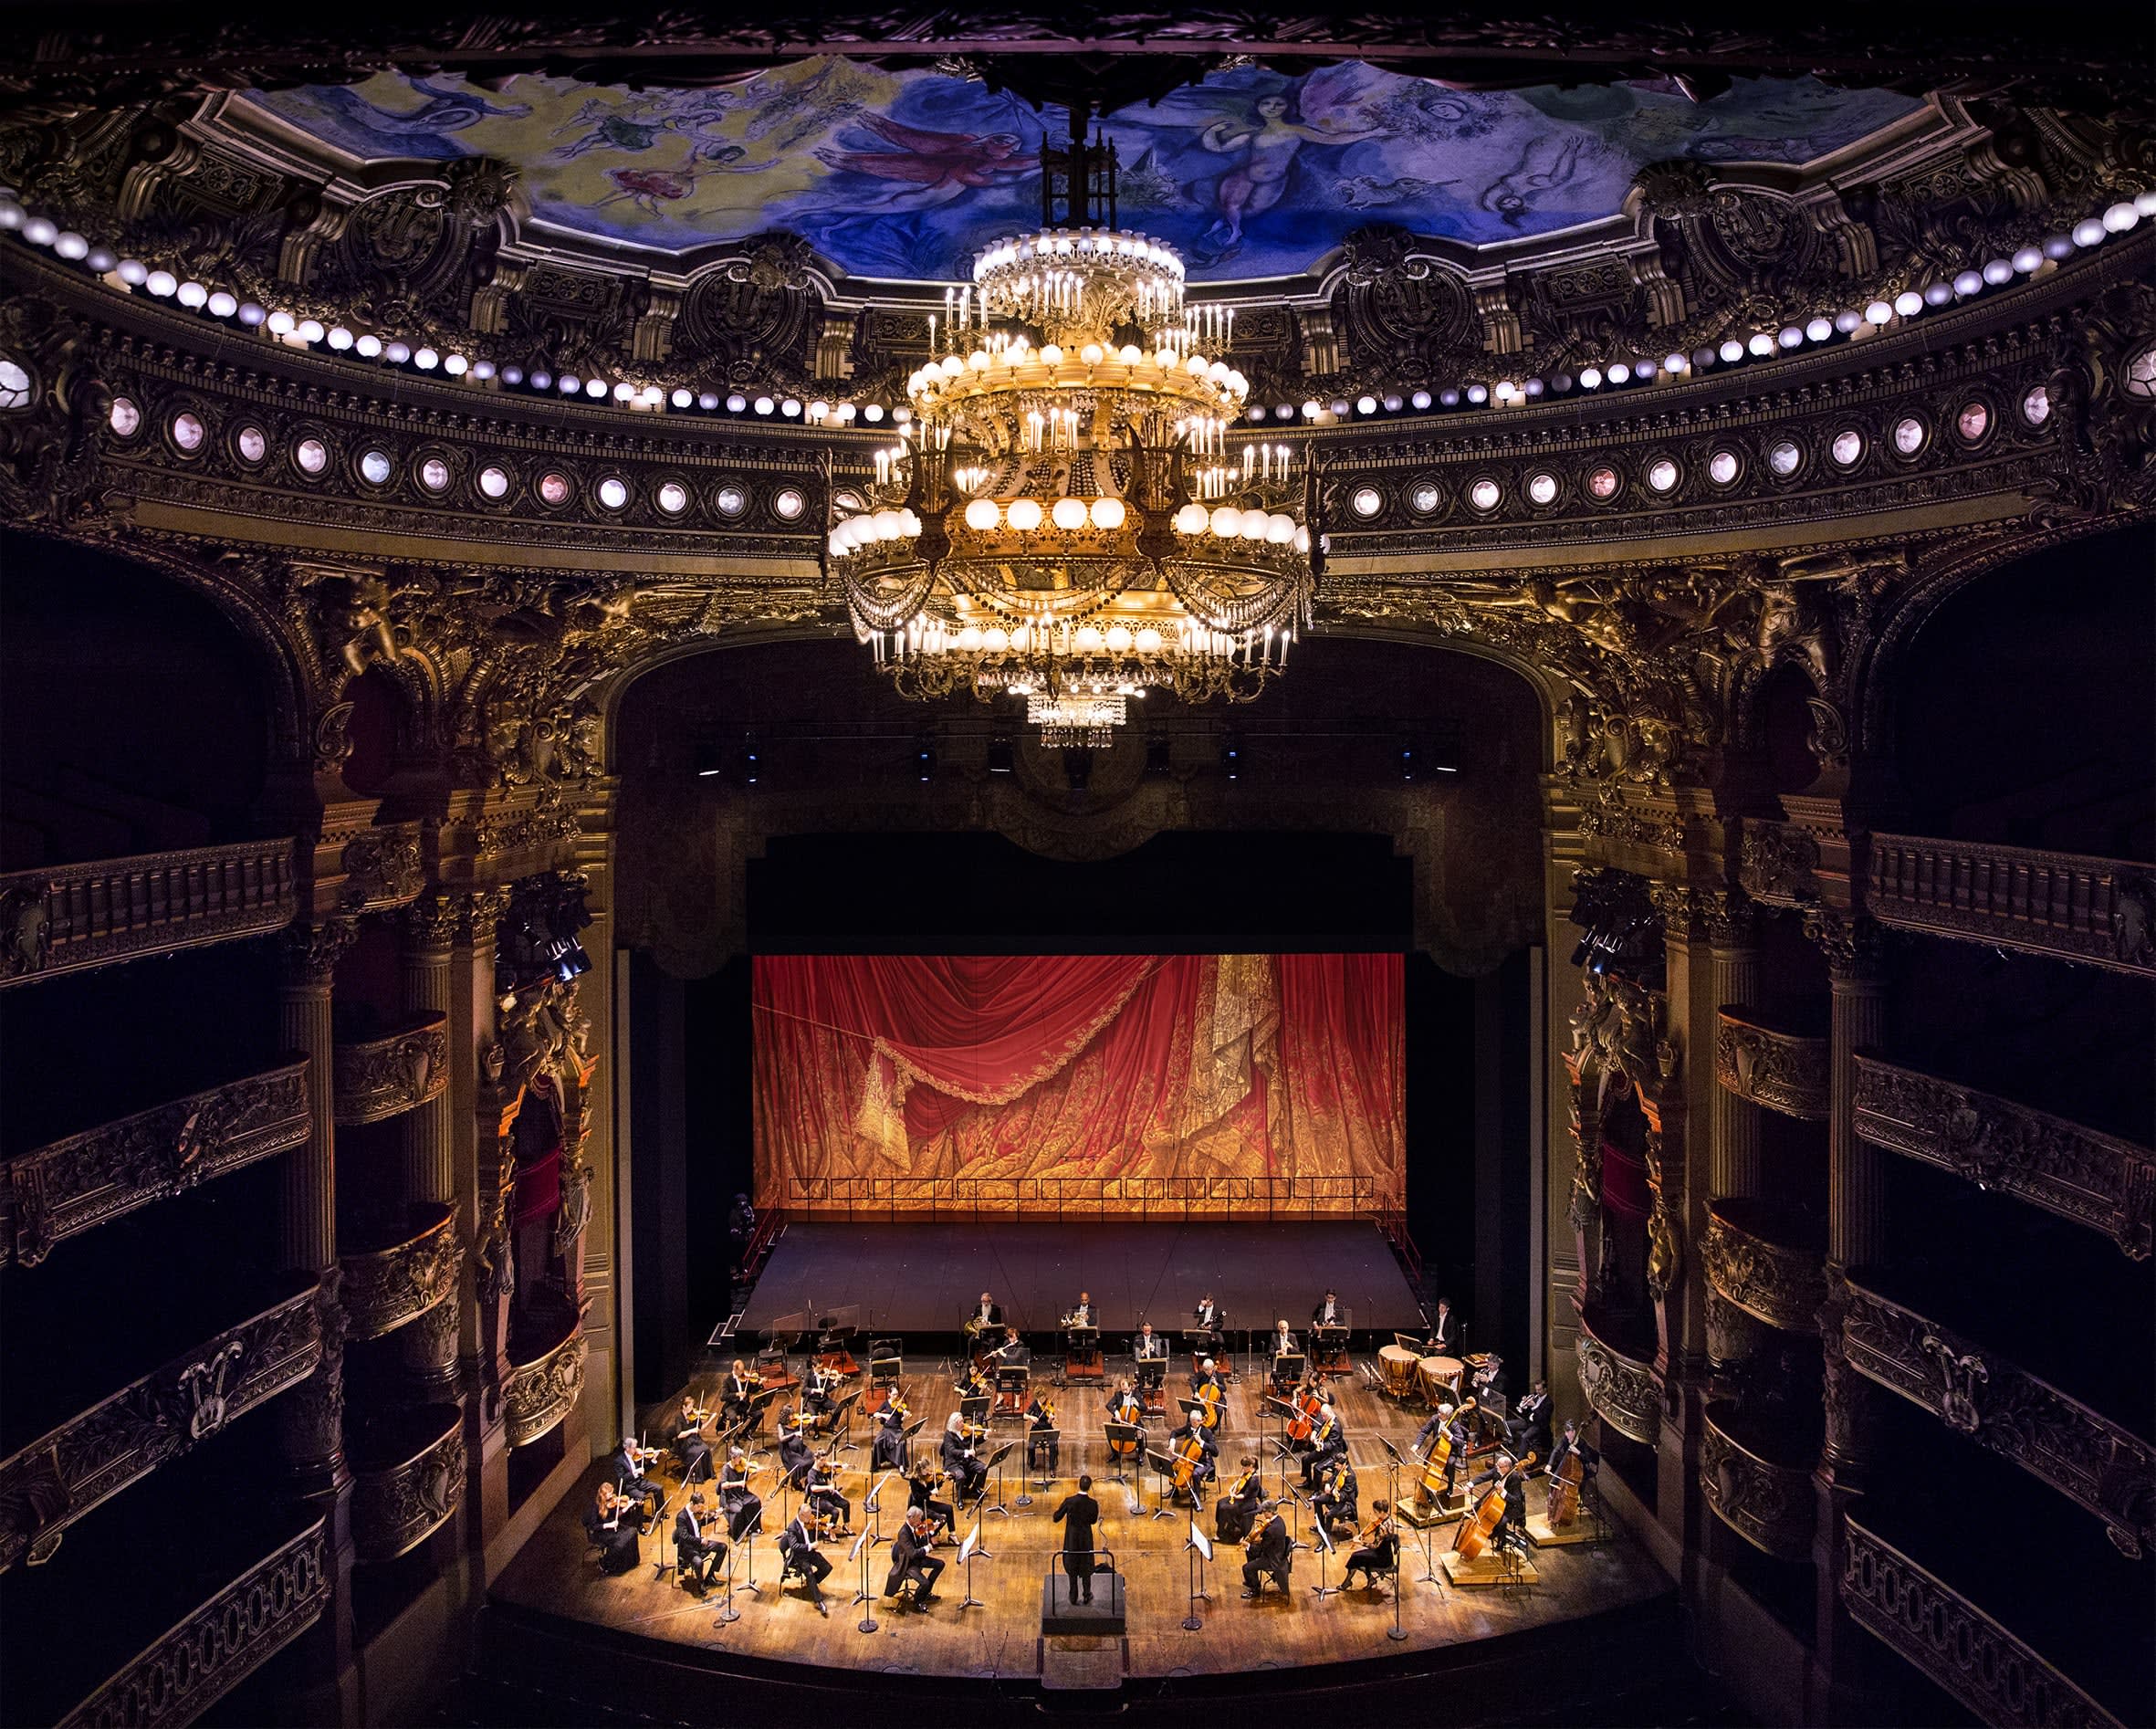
(1061, 1615)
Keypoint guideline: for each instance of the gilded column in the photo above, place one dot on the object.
(423, 985)
(308, 1204)
(1732, 1122)
(1855, 1201)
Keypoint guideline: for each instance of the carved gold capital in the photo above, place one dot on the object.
(308, 953)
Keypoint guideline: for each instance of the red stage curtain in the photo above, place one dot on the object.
(537, 1190)
(1077, 1066)
(1624, 1181)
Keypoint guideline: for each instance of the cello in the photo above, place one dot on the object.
(1124, 1408)
(1189, 1455)
(1479, 1527)
(1211, 1396)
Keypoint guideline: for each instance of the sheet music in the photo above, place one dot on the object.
(972, 1543)
(1200, 1542)
(860, 1543)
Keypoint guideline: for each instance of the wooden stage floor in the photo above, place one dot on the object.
(554, 1574)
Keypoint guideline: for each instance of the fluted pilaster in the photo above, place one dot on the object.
(308, 1207)
(423, 984)
(1732, 1122)
(1856, 1188)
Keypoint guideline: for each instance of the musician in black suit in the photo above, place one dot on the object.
(1330, 1312)
(911, 1559)
(1508, 1475)
(1205, 1375)
(1445, 1419)
(816, 1390)
(1049, 1445)
(1013, 1352)
(797, 1543)
(794, 1457)
(986, 1314)
(734, 1392)
(697, 1547)
(1207, 1468)
(1266, 1554)
(1528, 1427)
(1328, 1444)
(743, 1508)
(1078, 1514)
(613, 1522)
(1571, 1442)
(1239, 1502)
(823, 1496)
(920, 1497)
(629, 1478)
(1444, 1331)
(688, 1442)
(1210, 1319)
(966, 1472)
(1148, 1347)
(1081, 1315)
(1334, 1502)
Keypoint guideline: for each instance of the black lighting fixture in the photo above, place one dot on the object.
(1231, 757)
(1406, 762)
(925, 756)
(1002, 758)
(750, 765)
(1620, 930)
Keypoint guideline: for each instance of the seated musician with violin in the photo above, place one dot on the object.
(734, 1392)
(1328, 1444)
(1240, 1501)
(1378, 1547)
(958, 1458)
(744, 1509)
(920, 1496)
(687, 1440)
(698, 1546)
(794, 1457)
(821, 1491)
(974, 1383)
(1267, 1554)
(1334, 1502)
(798, 1544)
(629, 1464)
(911, 1561)
(889, 1451)
(1042, 1446)
(612, 1522)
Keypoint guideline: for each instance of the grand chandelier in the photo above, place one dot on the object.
(1065, 518)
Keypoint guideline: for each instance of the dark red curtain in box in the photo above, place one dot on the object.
(1076, 1066)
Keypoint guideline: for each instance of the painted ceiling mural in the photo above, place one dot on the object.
(1250, 174)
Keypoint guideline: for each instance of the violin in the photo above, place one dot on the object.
(1046, 1420)
(1375, 1532)
(1478, 1528)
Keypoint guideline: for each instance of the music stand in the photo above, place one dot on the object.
(1011, 1384)
(873, 1503)
(905, 1444)
(1393, 1465)
(975, 1410)
(840, 1426)
(1199, 1548)
(967, 1551)
(1118, 1432)
(995, 1463)
(1287, 1368)
(1164, 1492)
(1034, 1438)
(860, 1553)
(1325, 1553)
(758, 1402)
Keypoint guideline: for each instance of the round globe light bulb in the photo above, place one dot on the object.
(1089, 640)
(1280, 527)
(1119, 639)
(1191, 518)
(1024, 515)
(1091, 354)
(1252, 524)
(1225, 521)
(1068, 514)
(1052, 355)
(1106, 513)
(982, 515)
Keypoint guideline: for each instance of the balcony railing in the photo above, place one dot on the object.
(1621, 1389)
(2099, 911)
(70, 1186)
(60, 1477)
(408, 1479)
(1776, 863)
(391, 1073)
(1766, 1261)
(540, 1393)
(76, 916)
(382, 1288)
(204, 1656)
(1956, 1644)
(1775, 1066)
(2000, 1405)
(1769, 1501)
(1239, 1196)
(2094, 1179)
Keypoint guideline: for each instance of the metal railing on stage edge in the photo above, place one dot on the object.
(1104, 1197)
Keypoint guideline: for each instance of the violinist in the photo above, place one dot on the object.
(698, 1546)
(1528, 1427)
(687, 1440)
(974, 1383)
(798, 1544)
(1207, 1465)
(823, 1493)
(1377, 1548)
(1511, 1480)
(734, 1392)
(1444, 1331)
(1328, 1444)
(612, 1522)
(967, 1471)
(1048, 1446)
(816, 1389)
(1266, 1553)
(910, 1559)
(743, 1508)
(628, 1464)
(1239, 1504)
(1334, 1502)
(1330, 1311)
(794, 1457)
(889, 1451)
(920, 1497)
(1210, 1319)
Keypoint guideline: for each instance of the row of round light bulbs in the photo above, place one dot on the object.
(1005, 255)
(1019, 352)
(2117, 218)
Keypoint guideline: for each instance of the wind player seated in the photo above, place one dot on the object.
(822, 1495)
(1328, 1444)
(688, 1442)
(1148, 1347)
(1381, 1554)
(697, 1547)
(1082, 1315)
(920, 1497)
(1267, 1554)
(1014, 1352)
(794, 1456)
(612, 1522)
(970, 1475)
(629, 1478)
(1330, 1311)
(986, 1314)
(1049, 1446)
(910, 1559)
(1527, 1430)
(1334, 1502)
(1210, 1319)
(1283, 1346)
(889, 1451)
(743, 1507)
(1240, 1501)
(1208, 1467)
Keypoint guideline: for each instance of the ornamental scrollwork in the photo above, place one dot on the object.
(1781, 1286)
(1620, 1389)
(384, 1077)
(1772, 1506)
(385, 1288)
(537, 1396)
(396, 1509)
(1779, 1070)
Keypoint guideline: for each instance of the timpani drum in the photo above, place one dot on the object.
(1438, 1377)
(1396, 1364)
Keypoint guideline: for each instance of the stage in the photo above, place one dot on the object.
(554, 1583)
(926, 1275)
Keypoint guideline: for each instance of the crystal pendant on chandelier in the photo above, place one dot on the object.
(1066, 519)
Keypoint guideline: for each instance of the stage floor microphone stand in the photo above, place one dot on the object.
(1193, 1623)
(868, 1618)
(1325, 1553)
(730, 1613)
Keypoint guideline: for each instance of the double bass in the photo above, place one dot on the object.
(1565, 1486)
(1479, 1526)
(1439, 1457)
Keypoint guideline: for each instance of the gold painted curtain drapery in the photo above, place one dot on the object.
(1070, 1067)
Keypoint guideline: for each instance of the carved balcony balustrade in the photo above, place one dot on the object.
(1766, 1259)
(399, 1268)
(1978, 1392)
(1953, 1642)
(201, 1658)
(2098, 910)
(56, 1479)
(539, 1392)
(70, 917)
(1772, 1061)
(1757, 1484)
(383, 867)
(70, 1186)
(381, 1074)
(1775, 863)
(1619, 1388)
(408, 1480)
(2091, 1179)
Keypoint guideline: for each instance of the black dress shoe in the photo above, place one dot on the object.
(822, 1609)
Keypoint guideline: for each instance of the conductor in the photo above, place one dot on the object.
(1078, 1514)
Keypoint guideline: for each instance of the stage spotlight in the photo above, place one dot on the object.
(749, 764)
(1406, 762)
(1002, 758)
(924, 758)
(1159, 759)
(1231, 757)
